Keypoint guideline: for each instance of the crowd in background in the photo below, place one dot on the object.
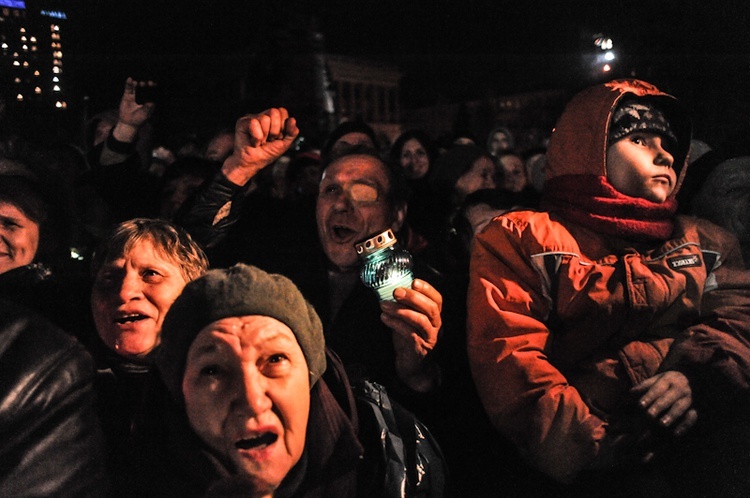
(84, 230)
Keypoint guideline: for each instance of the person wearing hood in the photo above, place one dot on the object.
(604, 330)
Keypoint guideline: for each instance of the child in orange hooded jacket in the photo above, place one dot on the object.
(594, 322)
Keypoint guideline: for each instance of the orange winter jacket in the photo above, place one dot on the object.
(564, 320)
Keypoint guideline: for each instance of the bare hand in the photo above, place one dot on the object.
(131, 115)
(415, 319)
(259, 140)
(668, 397)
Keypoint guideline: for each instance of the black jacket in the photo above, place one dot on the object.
(51, 443)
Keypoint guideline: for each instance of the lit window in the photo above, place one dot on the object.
(55, 79)
(22, 30)
(16, 63)
(17, 80)
(36, 73)
(32, 39)
(56, 70)
(607, 68)
(23, 38)
(25, 63)
(33, 48)
(4, 45)
(56, 88)
(25, 47)
(19, 97)
(37, 90)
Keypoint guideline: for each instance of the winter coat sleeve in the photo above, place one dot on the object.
(527, 398)
(715, 352)
(214, 212)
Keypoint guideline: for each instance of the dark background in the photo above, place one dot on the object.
(448, 51)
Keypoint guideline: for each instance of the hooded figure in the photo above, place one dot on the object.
(575, 310)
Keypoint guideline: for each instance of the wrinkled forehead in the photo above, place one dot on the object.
(242, 334)
(357, 169)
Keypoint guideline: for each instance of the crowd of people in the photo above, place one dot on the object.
(193, 322)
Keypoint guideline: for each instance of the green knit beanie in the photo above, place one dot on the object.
(237, 291)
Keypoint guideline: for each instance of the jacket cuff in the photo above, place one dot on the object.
(120, 147)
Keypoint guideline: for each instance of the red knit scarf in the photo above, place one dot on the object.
(592, 202)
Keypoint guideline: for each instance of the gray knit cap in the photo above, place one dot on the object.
(634, 115)
(237, 291)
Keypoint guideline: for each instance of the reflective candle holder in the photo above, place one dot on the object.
(385, 264)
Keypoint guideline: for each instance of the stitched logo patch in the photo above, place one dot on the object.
(684, 261)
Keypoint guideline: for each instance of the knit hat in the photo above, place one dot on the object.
(237, 291)
(639, 115)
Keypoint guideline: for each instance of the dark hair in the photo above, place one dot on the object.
(343, 129)
(42, 201)
(415, 134)
(450, 166)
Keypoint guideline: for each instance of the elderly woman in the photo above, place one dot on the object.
(245, 408)
(139, 269)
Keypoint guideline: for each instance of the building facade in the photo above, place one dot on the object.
(32, 69)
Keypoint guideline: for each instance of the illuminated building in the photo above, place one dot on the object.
(32, 68)
(368, 91)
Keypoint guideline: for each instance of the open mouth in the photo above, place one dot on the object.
(341, 233)
(265, 439)
(130, 318)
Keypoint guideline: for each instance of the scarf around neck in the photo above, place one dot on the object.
(592, 202)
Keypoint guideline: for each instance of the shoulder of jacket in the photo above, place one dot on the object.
(44, 355)
(709, 235)
(533, 228)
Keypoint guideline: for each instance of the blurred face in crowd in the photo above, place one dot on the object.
(514, 173)
(131, 296)
(499, 143)
(19, 237)
(247, 396)
(414, 159)
(482, 174)
(638, 165)
(220, 147)
(175, 193)
(352, 205)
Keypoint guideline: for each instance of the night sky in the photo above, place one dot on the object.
(448, 51)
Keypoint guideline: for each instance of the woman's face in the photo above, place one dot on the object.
(414, 159)
(482, 174)
(514, 173)
(499, 143)
(19, 238)
(131, 297)
(247, 396)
